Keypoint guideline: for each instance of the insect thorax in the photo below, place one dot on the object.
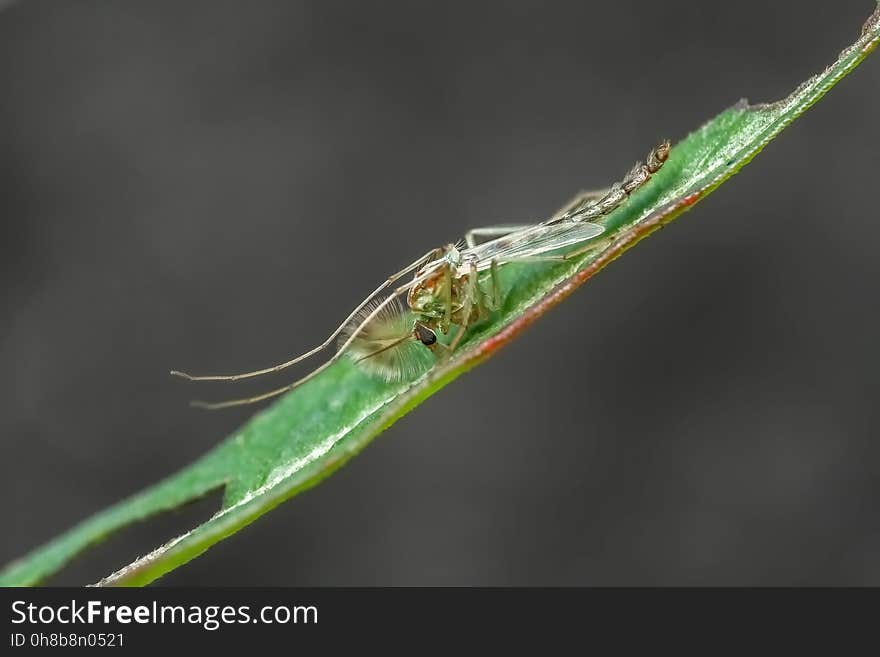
(441, 299)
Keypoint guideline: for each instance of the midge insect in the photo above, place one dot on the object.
(446, 291)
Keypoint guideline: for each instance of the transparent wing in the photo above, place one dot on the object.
(534, 241)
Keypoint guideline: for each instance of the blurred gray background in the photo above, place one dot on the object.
(212, 185)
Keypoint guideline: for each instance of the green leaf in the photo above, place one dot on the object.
(310, 432)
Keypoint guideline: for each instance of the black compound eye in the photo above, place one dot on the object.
(425, 335)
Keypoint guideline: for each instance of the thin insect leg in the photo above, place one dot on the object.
(468, 303)
(447, 293)
(486, 301)
(578, 252)
(482, 299)
(216, 406)
(496, 285)
(280, 391)
(276, 368)
(471, 236)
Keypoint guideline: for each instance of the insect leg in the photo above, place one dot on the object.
(471, 236)
(488, 302)
(433, 253)
(280, 391)
(468, 304)
(496, 285)
(578, 252)
(447, 293)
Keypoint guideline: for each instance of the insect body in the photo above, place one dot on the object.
(448, 292)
